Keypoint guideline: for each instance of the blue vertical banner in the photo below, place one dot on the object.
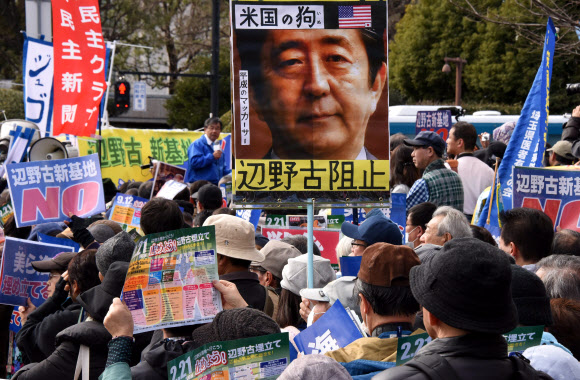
(528, 142)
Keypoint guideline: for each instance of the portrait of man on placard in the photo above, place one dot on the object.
(320, 93)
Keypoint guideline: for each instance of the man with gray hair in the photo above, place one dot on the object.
(566, 242)
(561, 276)
(447, 223)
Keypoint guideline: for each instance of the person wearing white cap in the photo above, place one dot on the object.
(236, 250)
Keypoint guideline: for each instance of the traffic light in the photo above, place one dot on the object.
(122, 95)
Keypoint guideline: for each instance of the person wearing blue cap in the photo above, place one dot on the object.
(438, 185)
(376, 229)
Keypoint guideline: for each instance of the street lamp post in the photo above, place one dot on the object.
(459, 63)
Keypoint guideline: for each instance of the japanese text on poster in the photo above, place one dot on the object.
(126, 210)
(169, 279)
(435, 121)
(48, 191)
(325, 240)
(524, 337)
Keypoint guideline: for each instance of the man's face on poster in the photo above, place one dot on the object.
(318, 95)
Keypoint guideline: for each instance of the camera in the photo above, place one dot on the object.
(572, 88)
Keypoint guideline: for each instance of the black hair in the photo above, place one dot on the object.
(123, 187)
(145, 189)
(300, 242)
(239, 262)
(530, 230)
(133, 191)
(212, 120)
(187, 218)
(200, 217)
(134, 185)
(183, 195)
(566, 242)
(421, 214)
(251, 42)
(160, 215)
(194, 187)
(465, 131)
(396, 140)
(224, 210)
(288, 309)
(389, 301)
(403, 171)
(83, 269)
(482, 234)
(210, 197)
(11, 230)
(563, 160)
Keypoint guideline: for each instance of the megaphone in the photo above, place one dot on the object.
(49, 148)
(10, 125)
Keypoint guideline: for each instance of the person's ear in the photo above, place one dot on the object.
(269, 278)
(432, 319)
(364, 304)
(447, 236)
(378, 85)
(514, 251)
(461, 143)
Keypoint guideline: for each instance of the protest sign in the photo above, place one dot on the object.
(335, 221)
(79, 66)
(262, 357)
(123, 151)
(276, 221)
(408, 346)
(435, 121)
(38, 73)
(290, 145)
(302, 221)
(6, 212)
(164, 173)
(334, 330)
(59, 241)
(170, 189)
(252, 216)
(18, 278)
(48, 191)
(350, 265)
(325, 240)
(555, 192)
(126, 210)
(524, 337)
(169, 279)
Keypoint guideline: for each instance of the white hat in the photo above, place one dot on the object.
(234, 237)
(295, 273)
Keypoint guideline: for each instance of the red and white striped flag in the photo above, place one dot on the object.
(354, 16)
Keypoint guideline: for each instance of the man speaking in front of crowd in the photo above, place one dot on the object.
(315, 89)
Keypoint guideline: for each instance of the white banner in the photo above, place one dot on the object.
(38, 75)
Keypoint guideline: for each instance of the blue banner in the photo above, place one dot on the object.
(49, 191)
(555, 192)
(435, 121)
(528, 142)
(18, 279)
(252, 216)
(334, 330)
(59, 241)
(350, 265)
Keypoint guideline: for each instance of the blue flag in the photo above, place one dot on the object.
(528, 142)
(334, 330)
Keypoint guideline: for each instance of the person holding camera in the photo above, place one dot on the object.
(571, 131)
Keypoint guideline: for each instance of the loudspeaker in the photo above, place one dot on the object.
(49, 148)
(9, 125)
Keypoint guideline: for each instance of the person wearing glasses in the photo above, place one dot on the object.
(375, 229)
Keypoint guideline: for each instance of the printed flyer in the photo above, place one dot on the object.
(263, 357)
(164, 173)
(169, 279)
(126, 211)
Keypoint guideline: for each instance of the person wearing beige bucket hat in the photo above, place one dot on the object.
(236, 249)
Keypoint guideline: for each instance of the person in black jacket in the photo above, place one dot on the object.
(89, 335)
(465, 292)
(571, 131)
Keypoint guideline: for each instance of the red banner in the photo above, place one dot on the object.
(79, 68)
(325, 240)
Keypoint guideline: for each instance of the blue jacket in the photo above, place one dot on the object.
(202, 165)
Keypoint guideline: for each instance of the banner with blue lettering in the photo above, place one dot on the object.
(555, 192)
(38, 73)
(18, 279)
(252, 216)
(334, 330)
(528, 142)
(48, 191)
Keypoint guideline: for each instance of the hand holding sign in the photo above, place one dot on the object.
(118, 320)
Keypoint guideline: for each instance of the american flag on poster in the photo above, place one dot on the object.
(354, 16)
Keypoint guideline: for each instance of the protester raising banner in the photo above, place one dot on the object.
(528, 142)
(79, 66)
(49, 191)
(300, 135)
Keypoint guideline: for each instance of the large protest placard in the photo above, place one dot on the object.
(310, 101)
(524, 337)
(555, 192)
(170, 189)
(325, 240)
(262, 357)
(18, 278)
(79, 66)
(165, 173)
(123, 151)
(169, 279)
(126, 210)
(334, 330)
(48, 191)
(435, 121)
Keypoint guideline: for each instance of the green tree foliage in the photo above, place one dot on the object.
(11, 40)
(501, 63)
(190, 104)
(11, 103)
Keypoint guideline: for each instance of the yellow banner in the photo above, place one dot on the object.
(312, 175)
(125, 150)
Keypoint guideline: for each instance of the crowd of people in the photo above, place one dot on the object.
(451, 279)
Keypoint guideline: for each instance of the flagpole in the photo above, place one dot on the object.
(492, 189)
